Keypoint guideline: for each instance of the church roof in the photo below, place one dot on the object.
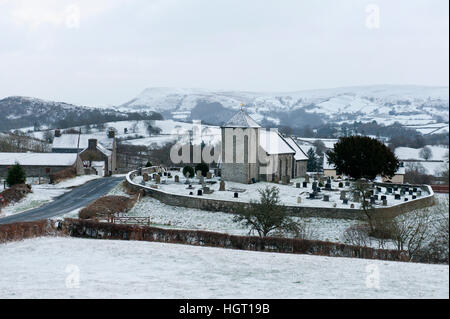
(242, 119)
(299, 154)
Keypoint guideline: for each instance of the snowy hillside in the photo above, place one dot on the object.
(26, 112)
(413, 105)
(82, 268)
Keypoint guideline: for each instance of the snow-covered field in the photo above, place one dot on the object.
(45, 193)
(438, 153)
(82, 268)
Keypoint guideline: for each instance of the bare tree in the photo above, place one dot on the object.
(362, 189)
(426, 153)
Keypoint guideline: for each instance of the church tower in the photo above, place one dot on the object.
(240, 147)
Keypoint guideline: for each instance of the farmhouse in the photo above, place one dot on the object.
(40, 164)
(97, 151)
(251, 153)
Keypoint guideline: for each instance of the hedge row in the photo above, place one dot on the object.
(20, 231)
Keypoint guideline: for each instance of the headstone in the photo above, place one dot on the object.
(236, 195)
(202, 180)
(328, 186)
(414, 197)
(199, 174)
(318, 189)
(157, 179)
(314, 186)
(276, 180)
(307, 178)
(305, 184)
(384, 202)
(356, 197)
(395, 188)
(343, 195)
(414, 189)
(347, 183)
(165, 173)
(352, 206)
(345, 201)
(341, 185)
(406, 199)
(199, 192)
(407, 189)
(326, 198)
(372, 200)
(383, 197)
(191, 193)
(145, 177)
(297, 185)
(208, 175)
(299, 200)
(312, 196)
(410, 192)
(284, 179)
(222, 186)
(177, 179)
(389, 190)
(154, 186)
(419, 193)
(375, 197)
(190, 186)
(397, 197)
(379, 189)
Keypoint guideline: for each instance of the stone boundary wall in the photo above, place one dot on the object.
(96, 230)
(300, 211)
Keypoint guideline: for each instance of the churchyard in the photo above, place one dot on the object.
(317, 191)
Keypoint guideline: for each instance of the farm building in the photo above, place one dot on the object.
(39, 164)
(93, 148)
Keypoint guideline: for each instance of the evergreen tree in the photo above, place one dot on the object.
(363, 157)
(311, 166)
(16, 175)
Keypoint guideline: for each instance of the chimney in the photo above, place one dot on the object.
(57, 132)
(92, 144)
(111, 133)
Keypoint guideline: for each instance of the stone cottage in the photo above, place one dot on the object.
(93, 149)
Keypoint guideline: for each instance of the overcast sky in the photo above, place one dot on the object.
(105, 52)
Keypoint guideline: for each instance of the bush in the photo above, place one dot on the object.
(105, 206)
(203, 167)
(149, 164)
(61, 175)
(190, 170)
(16, 175)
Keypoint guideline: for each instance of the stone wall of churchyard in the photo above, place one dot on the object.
(300, 211)
(96, 230)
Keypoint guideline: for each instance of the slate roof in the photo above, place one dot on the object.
(273, 143)
(299, 154)
(242, 120)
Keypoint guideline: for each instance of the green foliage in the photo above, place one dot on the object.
(311, 165)
(16, 175)
(363, 157)
(188, 169)
(149, 164)
(203, 167)
(267, 215)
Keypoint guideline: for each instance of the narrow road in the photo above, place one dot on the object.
(77, 198)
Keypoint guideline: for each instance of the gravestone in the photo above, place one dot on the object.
(314, 186)
(154, 186)
(318, 190)
(297, 185)
(395, 188)
(347, 183)
(410, 192)
(207, 190)
(276, 180)
(415, 189)
(352, 206)
(356, 197)
(341, 185)
(299, 200)
(328, 186)
(384, 202)
(312, 196)
(208, 175)
(375, 197)
(177, 179)
(383, 197)
(326, 198)
(379, 189)
(202, 180)
(222, 186)
(191, 193)
(406, 199)
(236, 195)
(165, 173)
(145, 177)
(284, 180)
(414, 197)
(307, 178)
(190, 186)
(343, 195)
(199, 174)
(419, 193)
(389, 190)
(372, 200)
(199, 192)
(397, 197)
(157, 179)
(305, 184)
(345, 201)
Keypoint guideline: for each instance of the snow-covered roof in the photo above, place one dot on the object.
(299, 154)
(38, 159)
(242, 119)
(273, 143)
(70, 141)
(104, 150)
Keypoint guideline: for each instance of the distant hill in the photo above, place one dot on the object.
(409, 105)
(19, 112)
